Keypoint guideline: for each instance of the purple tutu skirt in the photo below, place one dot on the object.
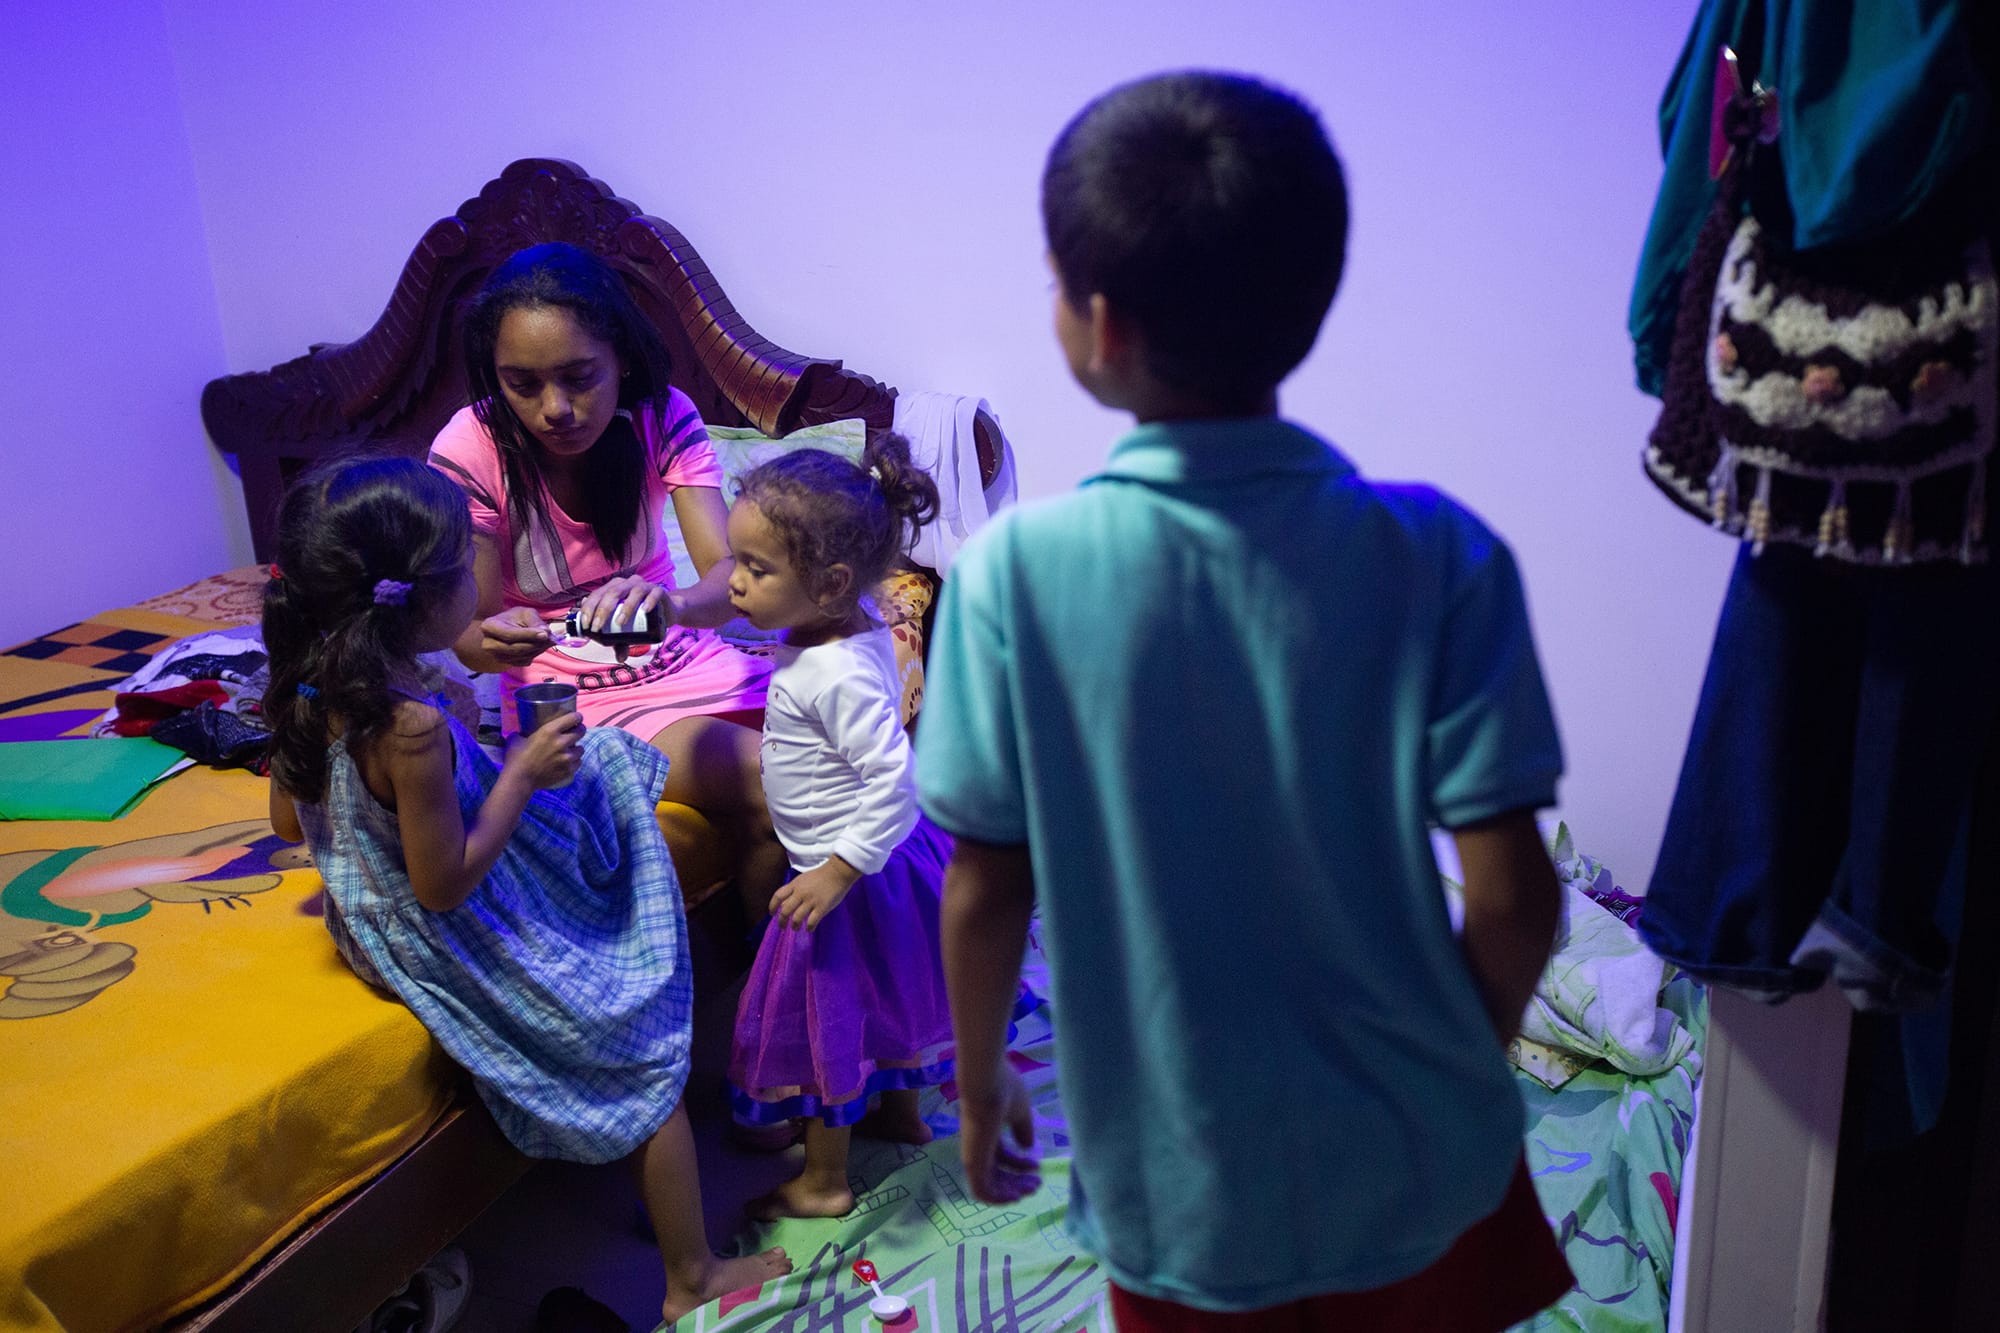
(834, 1015)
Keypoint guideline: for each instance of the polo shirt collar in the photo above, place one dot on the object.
(1226, 449)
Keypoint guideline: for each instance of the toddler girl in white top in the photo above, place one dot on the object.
(847, 997)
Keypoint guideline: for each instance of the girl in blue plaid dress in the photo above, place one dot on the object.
(526, 912)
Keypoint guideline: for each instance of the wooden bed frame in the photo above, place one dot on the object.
(394, 388)
(396, 385)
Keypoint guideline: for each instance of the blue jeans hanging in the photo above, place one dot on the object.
(1819, 826)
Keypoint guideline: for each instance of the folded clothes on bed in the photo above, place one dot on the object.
(204, 695)
(79, 779)
(225, 668)
(210, 734)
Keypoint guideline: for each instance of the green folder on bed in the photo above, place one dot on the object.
(80, 779)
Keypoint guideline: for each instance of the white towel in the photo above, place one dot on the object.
(941, 430)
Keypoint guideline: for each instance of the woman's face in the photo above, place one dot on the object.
(560, 379)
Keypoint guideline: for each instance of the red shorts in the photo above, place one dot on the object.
(1504, 1269)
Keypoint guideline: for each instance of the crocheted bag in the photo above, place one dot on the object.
(1841, 398)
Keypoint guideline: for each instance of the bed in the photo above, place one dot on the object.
(1605, 1146)
(209, 1123)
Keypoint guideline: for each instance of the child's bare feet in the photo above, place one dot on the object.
(799, 1197)
(721, 1277)
(896, 1120)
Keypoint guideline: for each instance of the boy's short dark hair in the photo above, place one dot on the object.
(1211, 211)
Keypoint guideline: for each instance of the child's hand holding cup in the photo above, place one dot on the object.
(551, 732)
(540, 702)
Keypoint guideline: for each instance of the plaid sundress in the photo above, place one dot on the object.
(562, 984)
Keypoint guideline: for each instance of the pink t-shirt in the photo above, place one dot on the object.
(558, 560)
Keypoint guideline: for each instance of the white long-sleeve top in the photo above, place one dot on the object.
(839, 774)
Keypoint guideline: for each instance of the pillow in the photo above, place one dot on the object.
(901, 599)
(740, 448)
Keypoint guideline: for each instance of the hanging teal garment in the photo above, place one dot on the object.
(1880, 101)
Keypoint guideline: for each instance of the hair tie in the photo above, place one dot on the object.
(277, 573)
(391, 592)
(308, 692)
(875, 473)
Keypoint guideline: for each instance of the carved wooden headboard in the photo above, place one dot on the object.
(396, 385)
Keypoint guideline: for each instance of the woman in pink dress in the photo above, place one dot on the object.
(571, 455)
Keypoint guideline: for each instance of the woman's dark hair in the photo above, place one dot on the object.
(612, 472)
(1210, 210)
(829, 511)
(333, 629)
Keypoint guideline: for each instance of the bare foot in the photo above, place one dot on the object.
(895, 1122)
(722, 1277)
(795, 1198)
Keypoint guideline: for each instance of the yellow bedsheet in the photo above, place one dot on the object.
(187, 1069)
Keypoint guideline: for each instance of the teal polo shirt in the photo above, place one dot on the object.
(1220, 692)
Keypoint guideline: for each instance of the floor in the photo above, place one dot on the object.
(570, 1225)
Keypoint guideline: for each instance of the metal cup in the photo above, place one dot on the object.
(536, 704)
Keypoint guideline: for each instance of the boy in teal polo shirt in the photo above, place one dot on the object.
(1205, 708)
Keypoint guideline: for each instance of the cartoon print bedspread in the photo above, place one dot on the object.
(189, 1069)
(1605, 1151)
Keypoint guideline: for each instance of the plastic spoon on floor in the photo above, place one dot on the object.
(884, 1307)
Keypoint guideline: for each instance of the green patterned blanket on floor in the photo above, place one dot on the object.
(1605, 1151)
(962, 1265)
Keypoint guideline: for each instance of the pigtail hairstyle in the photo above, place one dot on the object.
(828, 511)
(367, 549)
(612, 472)
(908, 490)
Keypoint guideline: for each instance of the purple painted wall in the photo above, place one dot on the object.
(111, 489)
(863, 179)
